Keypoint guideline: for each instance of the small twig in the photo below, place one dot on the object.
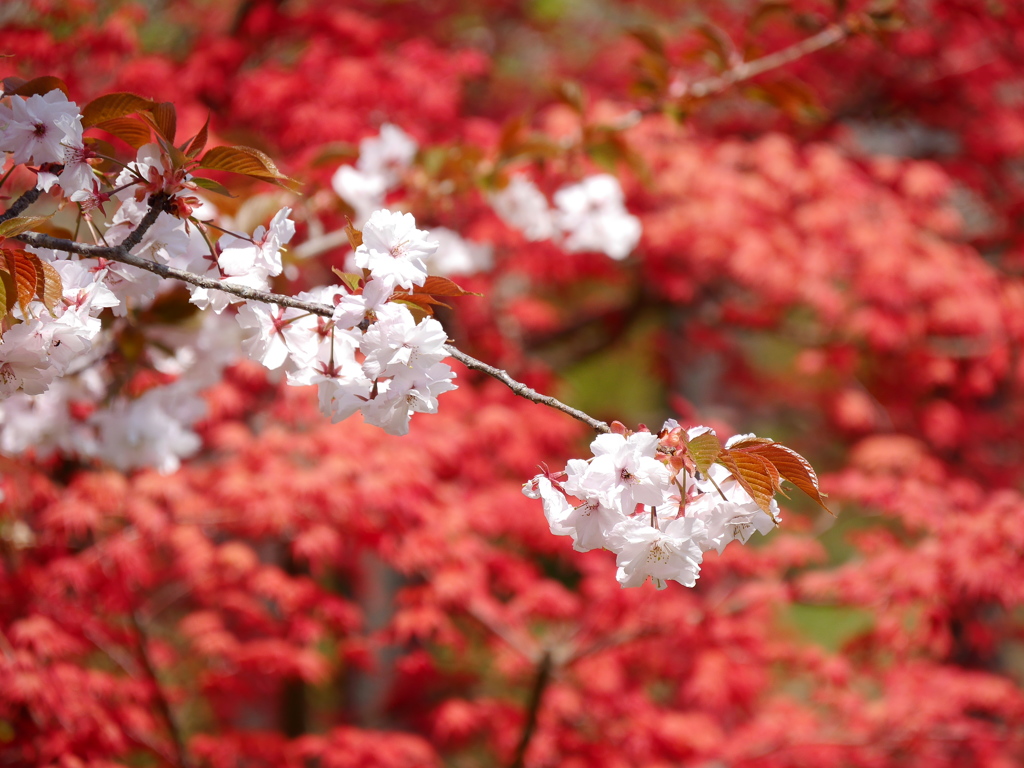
(181, 757)
(540, 684)
(746, 70)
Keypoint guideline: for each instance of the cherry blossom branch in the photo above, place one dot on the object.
(122, 253)
(524, 391)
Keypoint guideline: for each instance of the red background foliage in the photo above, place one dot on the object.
(832, 256)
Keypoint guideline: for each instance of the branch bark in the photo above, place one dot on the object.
(540, 684)
(122, 253)
(748, 69)
(181, 757)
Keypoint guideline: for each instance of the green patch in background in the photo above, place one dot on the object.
(618, 383)
(826, 625)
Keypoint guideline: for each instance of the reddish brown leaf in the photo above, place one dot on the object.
(197, 143)
(757, 476)
(131, 130)
(41, 86)
(442, 286)
(355, 236)
(246, 161)
(21, 267)
(790, 465)
(165, 119)
(113, 106)
(49, 288)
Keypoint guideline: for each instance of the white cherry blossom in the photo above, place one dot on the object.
(30, 129)
(523, 206)
(394, 250)
(593, 217)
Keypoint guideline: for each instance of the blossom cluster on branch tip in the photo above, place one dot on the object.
(643, 497)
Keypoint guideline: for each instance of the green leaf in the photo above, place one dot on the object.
(19, 224)
(211, 185)
(348, 279)
(704, 449)
(113, 106)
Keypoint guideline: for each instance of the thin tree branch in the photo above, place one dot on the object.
(746, 70)
(181, 757)
(524, 391)
(540, 684)
(21, 204)
(121, 253)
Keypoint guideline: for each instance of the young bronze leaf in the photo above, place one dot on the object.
(131, 130)
(111, 107)
(442, 286)
(246, 161)
(757, 476)
(424, 300)
(704, 449)
(791, 466)
(19, 224)
(49, 288)
(8, 292)
(348, 279)
(21, 268)
(355, 236)
(40, 86)
(198, 142)
(165, 119)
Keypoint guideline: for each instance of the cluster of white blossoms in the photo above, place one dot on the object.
(657, 515)
(382, 163)
(126, 390)
(58, 394)
(588, 216)
(372, 356)
(44, 129)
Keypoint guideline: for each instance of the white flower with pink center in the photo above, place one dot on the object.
(393, 249)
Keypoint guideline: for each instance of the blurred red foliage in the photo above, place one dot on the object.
(833, 250)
